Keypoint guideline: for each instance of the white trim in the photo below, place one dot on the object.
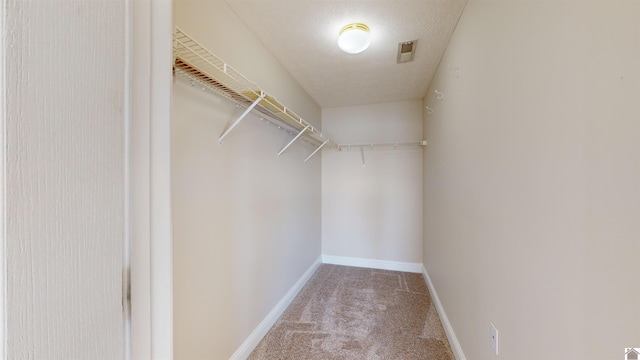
(160, 180)
(372, 263)
(139, 176)
(256, 336)
(448, 329)
(150, 190)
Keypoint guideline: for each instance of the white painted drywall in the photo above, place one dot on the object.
(373, 212)
(532, 173)
(3, 119)
(246, 223)
(65, 179)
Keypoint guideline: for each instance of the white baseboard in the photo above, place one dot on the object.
(448, 329)
(373, 264)
(256, 336)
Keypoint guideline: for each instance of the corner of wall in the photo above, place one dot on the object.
(456, 348)
(267, 323)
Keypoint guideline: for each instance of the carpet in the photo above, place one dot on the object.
(348, 313)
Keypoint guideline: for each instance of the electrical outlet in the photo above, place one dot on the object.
(494, 337)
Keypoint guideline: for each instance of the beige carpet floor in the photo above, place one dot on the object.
(352, 313)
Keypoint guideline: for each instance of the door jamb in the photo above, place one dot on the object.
(151, 28)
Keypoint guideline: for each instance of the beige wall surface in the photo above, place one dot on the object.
(532, 173)
(373, 212)
(64, 179)
(246, 223)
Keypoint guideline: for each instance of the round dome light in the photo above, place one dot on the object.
(354, 38)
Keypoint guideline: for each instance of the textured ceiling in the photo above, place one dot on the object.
(302, 35)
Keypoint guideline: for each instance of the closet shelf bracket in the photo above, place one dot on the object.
(316, 150)
(294, 139)
(196, 62)
(239, 119)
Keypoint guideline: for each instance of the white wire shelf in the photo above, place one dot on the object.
(374, 146)
(195, 61)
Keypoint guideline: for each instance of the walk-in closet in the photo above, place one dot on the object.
(462, 156)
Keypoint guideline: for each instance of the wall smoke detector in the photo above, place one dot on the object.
(406, 51)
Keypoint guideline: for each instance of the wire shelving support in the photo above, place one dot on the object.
(198, 63)
(194, 61)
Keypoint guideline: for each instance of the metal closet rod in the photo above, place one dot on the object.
(202, 66)
(374, 145)
(269, 119)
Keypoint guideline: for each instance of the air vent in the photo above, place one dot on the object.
(406, 51)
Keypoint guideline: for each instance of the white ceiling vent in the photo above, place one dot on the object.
(406, 51)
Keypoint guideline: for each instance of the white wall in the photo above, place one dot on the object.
(373, 212)
(64, 180)
(531, 179)
(246, 222)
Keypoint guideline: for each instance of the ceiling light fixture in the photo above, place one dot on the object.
(354, 38)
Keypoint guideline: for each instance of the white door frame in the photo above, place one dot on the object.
(150, 35)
